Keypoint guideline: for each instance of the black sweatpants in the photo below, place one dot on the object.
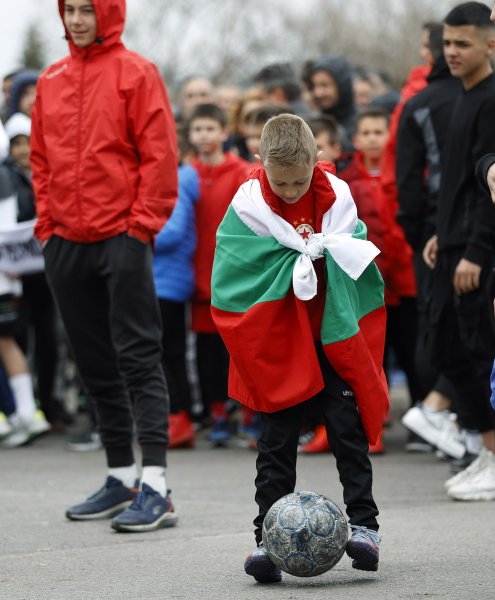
(463, 342)
(37, 308)
(174, 354)
(212, 360)
(107, 299)
(277, 451)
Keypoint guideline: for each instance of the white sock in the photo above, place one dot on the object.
(474, 442)
(127, 475)
(155, 478)
(22, 389)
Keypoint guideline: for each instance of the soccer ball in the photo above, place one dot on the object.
(305, 534)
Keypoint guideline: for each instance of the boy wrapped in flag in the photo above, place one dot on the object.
(298, 301)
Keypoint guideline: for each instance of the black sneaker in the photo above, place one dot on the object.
(259, 566)
(108, 501)
(148, 512)
(87, 441)
(417, 444)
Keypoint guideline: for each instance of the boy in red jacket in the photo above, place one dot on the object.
(299, 304)
(220, 175)
(104, 166)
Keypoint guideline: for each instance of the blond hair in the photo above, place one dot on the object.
(286, 140)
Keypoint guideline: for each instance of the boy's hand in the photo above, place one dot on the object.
(490, 179)
(466, 277)
(430, 252)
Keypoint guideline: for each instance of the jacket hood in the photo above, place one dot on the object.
(341, 70)
(19, 84)
(110, 17)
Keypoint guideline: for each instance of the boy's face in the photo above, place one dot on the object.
(26, 101)
(253, 138)
(371, 136)
(19, 150)
(207, 135)
(327, 149)
(80, 22)
(467, 50)
(289, 183)
(325, 91)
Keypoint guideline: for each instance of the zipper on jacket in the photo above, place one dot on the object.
(79, 144)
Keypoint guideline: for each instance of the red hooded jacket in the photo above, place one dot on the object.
(103, 145)
(218, 184)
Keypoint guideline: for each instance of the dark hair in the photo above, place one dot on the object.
(428, 25)
(280, 75)
(208, 111)
(361, 73)
(435, 40)
(374, 113)
(469, 13)
(327, 124)
(261, 114)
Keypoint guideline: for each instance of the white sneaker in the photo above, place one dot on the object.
(479, 485)
(437, 428)
(22, 433)
(477, 465)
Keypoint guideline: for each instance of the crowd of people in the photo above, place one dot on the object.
(408, 158)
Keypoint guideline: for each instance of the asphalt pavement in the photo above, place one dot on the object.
(432, 547)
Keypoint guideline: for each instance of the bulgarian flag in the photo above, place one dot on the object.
(263, 273)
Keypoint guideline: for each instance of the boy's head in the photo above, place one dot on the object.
(326, 132)
(469, 42)
(18, 129)
(372, 128)
(288, 153)
(208, 129)
(255, 122)
(80, 22)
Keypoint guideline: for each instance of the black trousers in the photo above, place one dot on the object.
(401, 338)
(107, 299)
(463, 342)
(429, 377)
(37, 308)
(212, 360)
(174, 354)
(277, 451)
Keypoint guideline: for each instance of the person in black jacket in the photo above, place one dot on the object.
(330, 85)
(420, 143)
(461, 252)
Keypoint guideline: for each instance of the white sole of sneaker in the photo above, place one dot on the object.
(166, 520)
(106, 514)
(485, 496)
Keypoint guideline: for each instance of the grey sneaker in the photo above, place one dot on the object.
(363, 548)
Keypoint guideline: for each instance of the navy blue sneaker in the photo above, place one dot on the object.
(363, 548)
(148, 512)
(220, 432)
(259, 566)
(108, 501)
